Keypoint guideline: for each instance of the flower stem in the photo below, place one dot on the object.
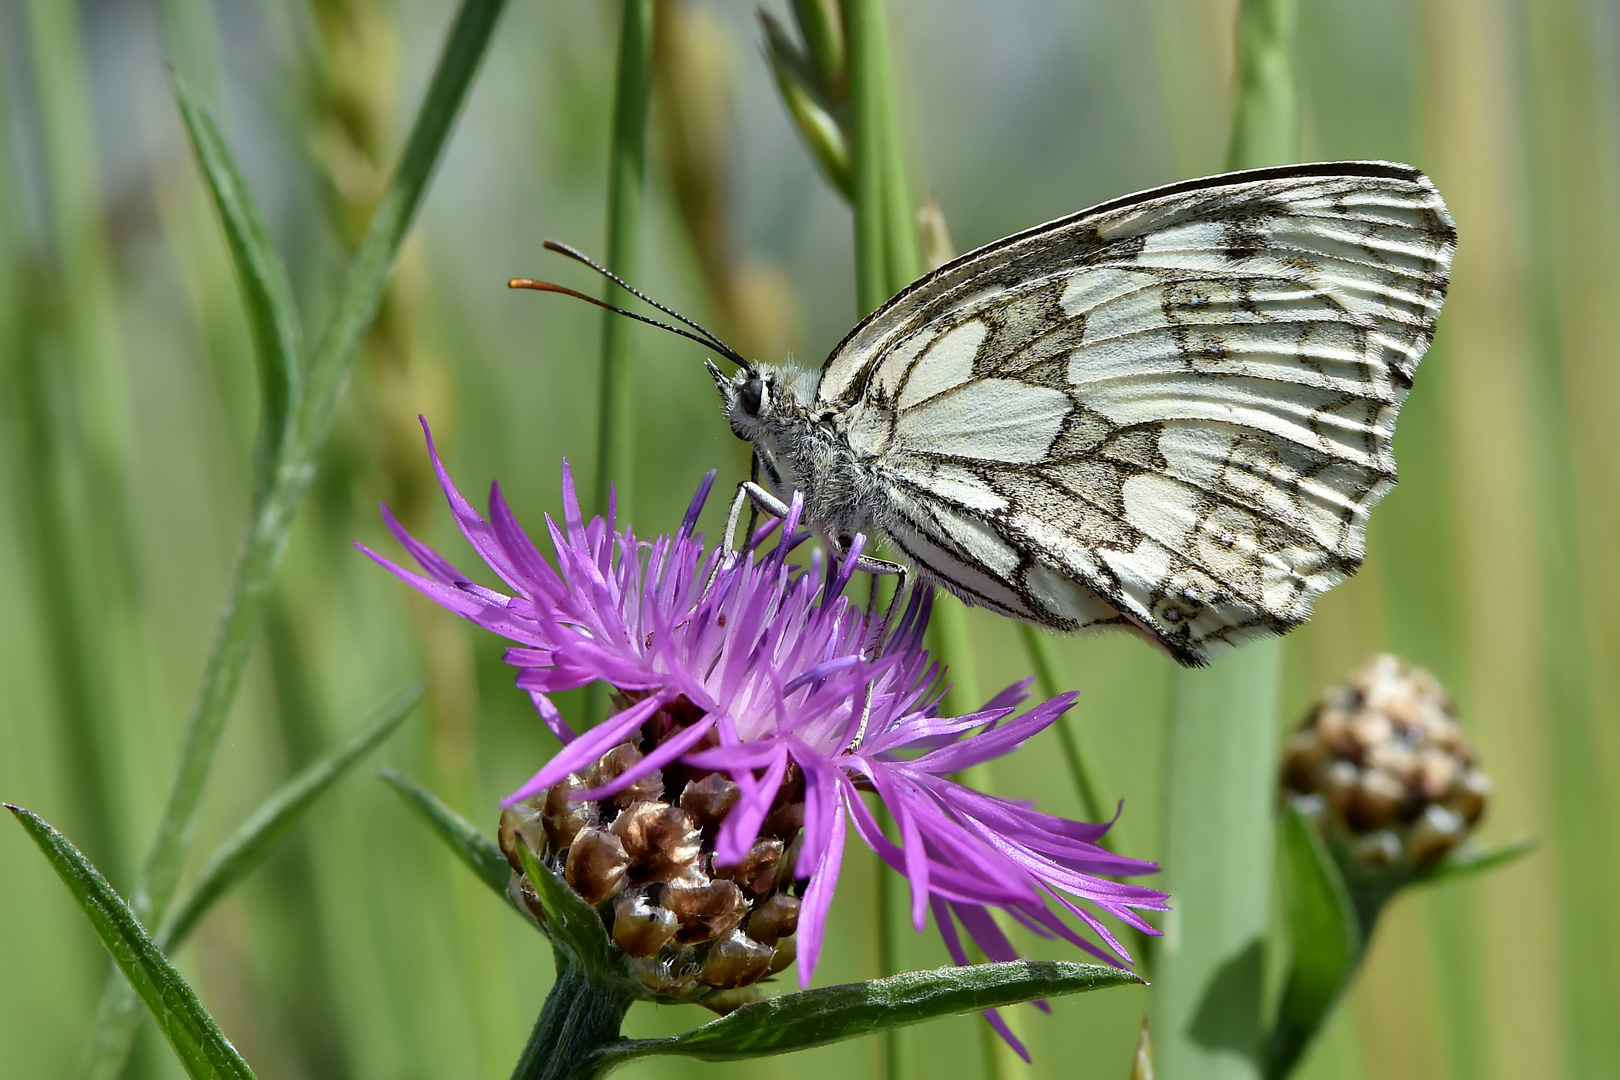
(1220, 760)
(885, 263)
(627, 170)
(580, 1015)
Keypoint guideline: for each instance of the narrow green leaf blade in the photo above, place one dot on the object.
(278, 341)
(199, 1044)
(571, 923)
(1324, 939)
(1471, 859)
(246, 847)
(481, 854)
(831, 1014)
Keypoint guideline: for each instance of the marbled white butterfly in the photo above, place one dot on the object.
(1170, 413)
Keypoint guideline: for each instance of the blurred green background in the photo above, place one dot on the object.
(127, 405)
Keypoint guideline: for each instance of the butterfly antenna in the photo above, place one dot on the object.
(547, 286)
(708, 338)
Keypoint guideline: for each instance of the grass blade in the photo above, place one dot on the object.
(627, 171)
(197, 1041)
(253, 577)
(278, 337)
(1221, 753)
(246, 847)
(267, 534)
(832, 1014)
(481, 854)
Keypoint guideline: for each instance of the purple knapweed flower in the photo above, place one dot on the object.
(750, 669)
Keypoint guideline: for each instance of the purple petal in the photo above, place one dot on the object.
(587, 748)
(818, 899)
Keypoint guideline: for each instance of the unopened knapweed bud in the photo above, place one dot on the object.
(640, 927)
(660, 841)
(709, 800)
(705, 910)
(596, 865)
(521, 824)
(1383, 765)
(735, 960)
(757, 871)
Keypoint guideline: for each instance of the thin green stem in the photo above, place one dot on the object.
(885, 262)
(1039, 651)
(1265, 101)
(580, 1015)
(253, 578)
(295, 468)
(627, 172)
(869, 127)
(1220, 760)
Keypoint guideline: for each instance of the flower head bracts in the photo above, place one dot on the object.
(781, 685)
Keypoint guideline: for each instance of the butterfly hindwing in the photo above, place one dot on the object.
(1173, 411)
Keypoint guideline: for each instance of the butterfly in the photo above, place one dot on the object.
(1170, 413)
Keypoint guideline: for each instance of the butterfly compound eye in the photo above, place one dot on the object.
(752, 396)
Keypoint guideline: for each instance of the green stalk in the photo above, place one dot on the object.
(627, 171)
(294, 468)
(885, 262)
(1220, 758)
(1092, 808)
(581, 1015)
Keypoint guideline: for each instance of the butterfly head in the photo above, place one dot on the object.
(756, 400)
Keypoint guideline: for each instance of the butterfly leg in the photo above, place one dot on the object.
(759, 499)
(753, 478)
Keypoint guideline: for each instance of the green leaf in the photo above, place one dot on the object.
(831, 1014)
(199, 1044)
(254, 574)
(571, 923)
(481, 854)
(289, 479)
(1324, 939)
(278, 339)
(246, 847)
(1473, 858)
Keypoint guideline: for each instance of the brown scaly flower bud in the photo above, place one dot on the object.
(641, 927)
(1383, 764)
(644, 858)
(596, 865)
(736, 960)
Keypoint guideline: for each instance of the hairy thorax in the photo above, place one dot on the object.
(804, 449)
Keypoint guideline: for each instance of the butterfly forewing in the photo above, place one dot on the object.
(1173, 411)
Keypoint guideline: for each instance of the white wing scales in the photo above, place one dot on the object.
(1171, 412)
